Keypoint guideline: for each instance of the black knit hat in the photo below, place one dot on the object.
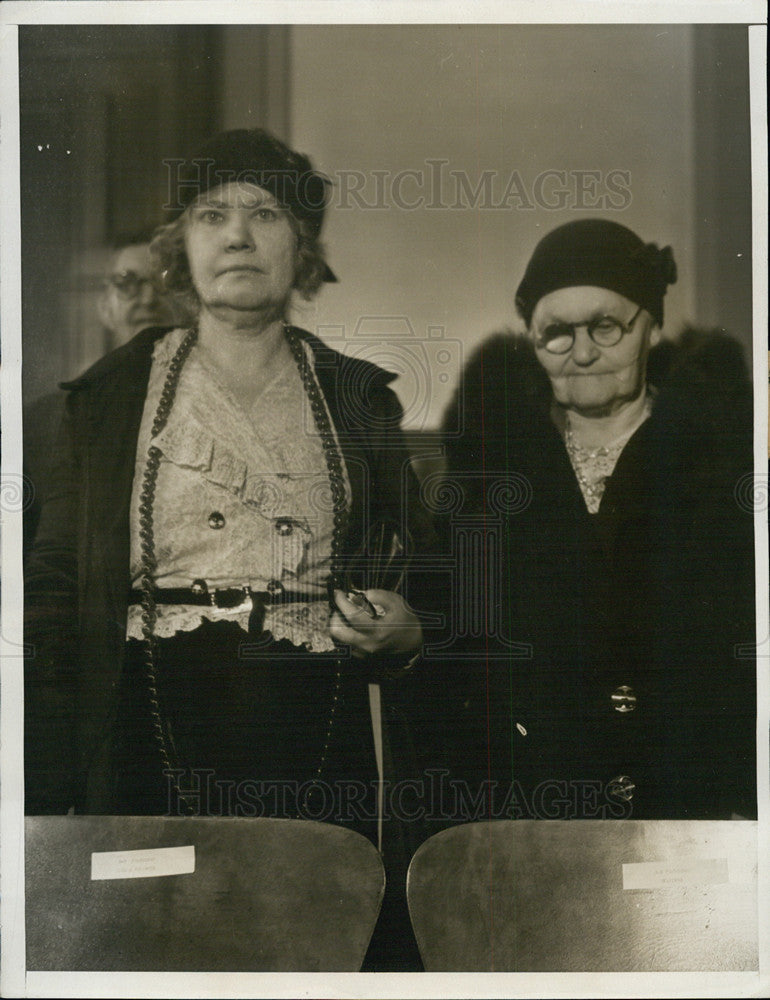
(601, 253)
(255, 156)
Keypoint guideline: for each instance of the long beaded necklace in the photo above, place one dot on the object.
(163, 742)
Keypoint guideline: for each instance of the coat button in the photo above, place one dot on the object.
(274, 587)
(199, 587)
(284, 526)
(216, 520)
(622, 787)
(624, 699)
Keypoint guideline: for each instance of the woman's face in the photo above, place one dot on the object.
(588, 378)
(242, 249)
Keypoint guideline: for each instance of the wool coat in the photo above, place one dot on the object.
(615, 672)
(77, 578)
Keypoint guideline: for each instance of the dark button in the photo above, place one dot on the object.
(284, 526)
(216, 520)
(624, 699)
(274, 587)
(199, 587)
(622, 787)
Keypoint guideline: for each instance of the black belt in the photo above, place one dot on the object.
(228, 598)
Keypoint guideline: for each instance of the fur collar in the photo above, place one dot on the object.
(702, 414)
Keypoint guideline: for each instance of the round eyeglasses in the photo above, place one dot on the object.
(129, 284)
(604, 331)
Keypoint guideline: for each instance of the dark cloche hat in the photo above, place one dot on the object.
(601, 253)
(255, 156)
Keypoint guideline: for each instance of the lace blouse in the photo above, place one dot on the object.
(242, 499)
(594, 466)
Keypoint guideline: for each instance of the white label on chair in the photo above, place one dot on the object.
(143, 864)
(670, 874)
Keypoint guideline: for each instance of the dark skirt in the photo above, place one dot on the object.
(250, 728)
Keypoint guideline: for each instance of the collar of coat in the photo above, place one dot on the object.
(701, 421)
(138, 351)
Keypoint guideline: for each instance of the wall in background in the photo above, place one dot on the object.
(722, 174)
(453, 149)
(255, 86)
(101, 106)
(526, 127)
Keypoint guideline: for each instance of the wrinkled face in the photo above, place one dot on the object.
(590, 378)
(242, 249)
(131, 299)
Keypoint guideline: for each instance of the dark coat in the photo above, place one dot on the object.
(77, 577)
(41, 424)
(654, 593)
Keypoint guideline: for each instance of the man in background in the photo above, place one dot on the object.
(130, 300)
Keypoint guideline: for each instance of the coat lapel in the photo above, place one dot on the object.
(114, 402)
(344, 381)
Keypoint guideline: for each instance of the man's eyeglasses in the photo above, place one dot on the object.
(604, 331)
(129, 284)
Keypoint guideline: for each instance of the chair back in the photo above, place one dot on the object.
(264, 895)
(587, 895)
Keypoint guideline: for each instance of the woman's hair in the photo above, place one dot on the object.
(169, 257)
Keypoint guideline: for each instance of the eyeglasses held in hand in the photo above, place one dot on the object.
(380, 564)
(604, 331)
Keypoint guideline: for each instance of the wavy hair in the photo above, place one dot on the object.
(169, 257)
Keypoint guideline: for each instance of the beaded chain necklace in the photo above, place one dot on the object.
(335, 470)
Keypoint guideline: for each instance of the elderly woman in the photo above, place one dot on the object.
(618, 679)
(198, 645)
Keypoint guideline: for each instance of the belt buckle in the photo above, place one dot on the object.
(246, 605)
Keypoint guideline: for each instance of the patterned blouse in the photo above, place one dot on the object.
(242, 499)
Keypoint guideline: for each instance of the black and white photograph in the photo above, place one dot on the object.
(384, 500)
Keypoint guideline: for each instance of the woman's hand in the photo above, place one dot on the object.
(395, 630)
